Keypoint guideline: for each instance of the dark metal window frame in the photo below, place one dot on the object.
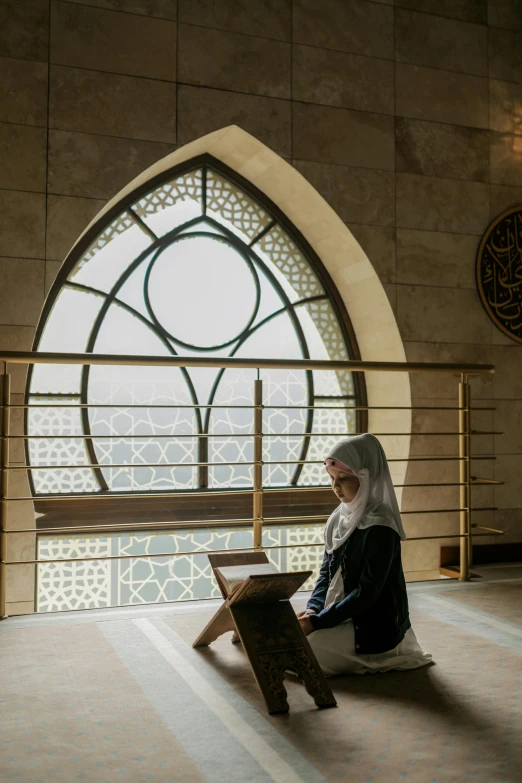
(204, 162)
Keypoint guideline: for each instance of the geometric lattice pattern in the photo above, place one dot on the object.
(81, 585)
(143, 580)
(235, 207)
(117, 227)
(58, 422)
(187, 187)
(280, 248)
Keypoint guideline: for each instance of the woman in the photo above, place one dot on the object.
(357, 617)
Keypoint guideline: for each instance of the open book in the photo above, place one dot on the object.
(231, 577)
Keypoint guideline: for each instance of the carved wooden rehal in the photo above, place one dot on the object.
(264, 620)
(499, 272)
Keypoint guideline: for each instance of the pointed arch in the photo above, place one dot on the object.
(356, 281)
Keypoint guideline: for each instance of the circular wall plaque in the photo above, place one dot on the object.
(499, 272)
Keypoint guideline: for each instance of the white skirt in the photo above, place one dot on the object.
(334, 649)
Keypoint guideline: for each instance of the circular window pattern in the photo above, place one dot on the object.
(198, 280)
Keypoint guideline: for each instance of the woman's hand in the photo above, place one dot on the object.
(306, 613)
(306, 624)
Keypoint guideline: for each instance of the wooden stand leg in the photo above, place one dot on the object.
(218, 625)
(274, 642)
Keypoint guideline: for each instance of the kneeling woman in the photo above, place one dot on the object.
(357, 617)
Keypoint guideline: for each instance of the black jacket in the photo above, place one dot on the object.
(374, 588)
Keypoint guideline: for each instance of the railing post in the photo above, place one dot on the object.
(258, 464)
(5, 397)
(465, 476)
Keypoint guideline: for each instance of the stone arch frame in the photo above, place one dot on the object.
(357, 283)
(352, 273)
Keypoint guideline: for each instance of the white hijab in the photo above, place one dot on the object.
(375, 502)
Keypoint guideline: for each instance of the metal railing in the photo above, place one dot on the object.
(258, 518)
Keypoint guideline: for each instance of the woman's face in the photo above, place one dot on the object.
(345, 485)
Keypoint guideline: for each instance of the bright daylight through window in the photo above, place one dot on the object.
(197, 266)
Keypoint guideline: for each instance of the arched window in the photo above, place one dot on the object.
(197, 263)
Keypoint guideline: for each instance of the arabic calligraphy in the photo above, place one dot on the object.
(499, 272)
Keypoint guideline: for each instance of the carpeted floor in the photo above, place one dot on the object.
(110, 696)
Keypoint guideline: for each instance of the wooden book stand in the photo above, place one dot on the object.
(260, 613)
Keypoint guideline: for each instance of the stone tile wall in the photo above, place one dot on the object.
(405, 115)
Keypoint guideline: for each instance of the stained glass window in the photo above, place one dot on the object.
(199, 265)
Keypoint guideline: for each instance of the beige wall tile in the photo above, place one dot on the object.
(97, 166)
(20, 584)
(500, 338)
(423, 39)
(341, 79)
(442, 96)
(165, 9)
(202, 111)
(111, 41)
(505, 55)
(23, 151)
(266, 18)
(507, 469)
(357, 195)
(51, 270)
(330, 135)
(21, 546)
(506, 159)
(17, 338)
(426, 424)
(24, 29)
(466, 10)
(349, 25)
(423, 472)
(21, 290)
(505, 13)
(509, 520)
(432, 258)
(378, 242)
(429, 498)
(18, 608)
(442, 385)
(435, 314)
(67, 217)
(441, 150)
(22, 224)
(419, 556)
(442, 204)
(507, 381)
(508, 419)
(230, 61)
(505, 106)
(112, 105)
(17, 456)
(502, 198)
(23, 92)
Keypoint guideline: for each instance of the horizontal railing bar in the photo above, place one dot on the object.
(203, 552)
(188, 493)
(45, 357)
(153, 436)
(122, 406)
(478, 480)
(91, 466)
(492, 529)
(209, 524)
(264, 462)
